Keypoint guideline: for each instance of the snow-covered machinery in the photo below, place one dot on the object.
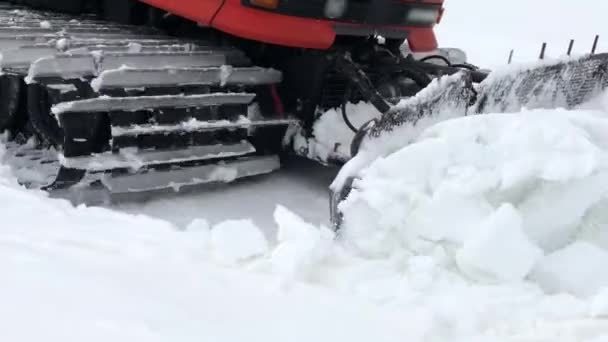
(159, 94)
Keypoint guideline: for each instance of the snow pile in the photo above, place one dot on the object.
(488, 301)
(599, 306)
(578, 268)
(235, 241)
(93, 274)
(510, 197)
(302, 247)
(488, 254)
(98, 275)
(45, 24)
(332, 137)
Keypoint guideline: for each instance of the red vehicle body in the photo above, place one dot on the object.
(293, 29)
(304, 39)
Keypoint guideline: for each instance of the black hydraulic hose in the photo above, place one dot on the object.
(465, 66)
(418, 76)
(477, 75)
(350, 125)
(443, 58)
(358, 78)
(448, 63)
(355, 144)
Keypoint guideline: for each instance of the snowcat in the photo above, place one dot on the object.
(139, 96)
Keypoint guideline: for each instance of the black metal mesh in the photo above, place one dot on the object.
(452, 93)
(565, 84)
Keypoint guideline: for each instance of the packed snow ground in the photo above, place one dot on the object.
(301, 185)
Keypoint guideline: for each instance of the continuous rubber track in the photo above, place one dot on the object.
(130, 109)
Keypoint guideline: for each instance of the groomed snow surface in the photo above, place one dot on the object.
(488, 228)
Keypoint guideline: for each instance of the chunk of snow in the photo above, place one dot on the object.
(225, 72)
(603, 338)
(45, 24)
(499, 251)
(63, 88)
(62, 44)
(579, 268)
(301, 247)
(460, 215)
(563, 306)
(224, 174)
(202, 229)
(235, 241)
(198, 225)
(594, 228)
(477, 156)
(134, 47)
(599, 304)
(553, 213)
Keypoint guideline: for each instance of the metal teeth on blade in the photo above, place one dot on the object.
(563, 83)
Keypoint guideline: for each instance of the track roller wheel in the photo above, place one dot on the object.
(39, 110)
(12, 114)
(66, 178)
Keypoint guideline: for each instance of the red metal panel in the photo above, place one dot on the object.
(284, 30)
(273, 28)
(422, 40)
(200, 11)
(232, 17)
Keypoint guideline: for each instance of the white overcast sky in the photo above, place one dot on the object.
(489, 29)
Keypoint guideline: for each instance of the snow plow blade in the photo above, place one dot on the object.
(557, 84)
(553, 84)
